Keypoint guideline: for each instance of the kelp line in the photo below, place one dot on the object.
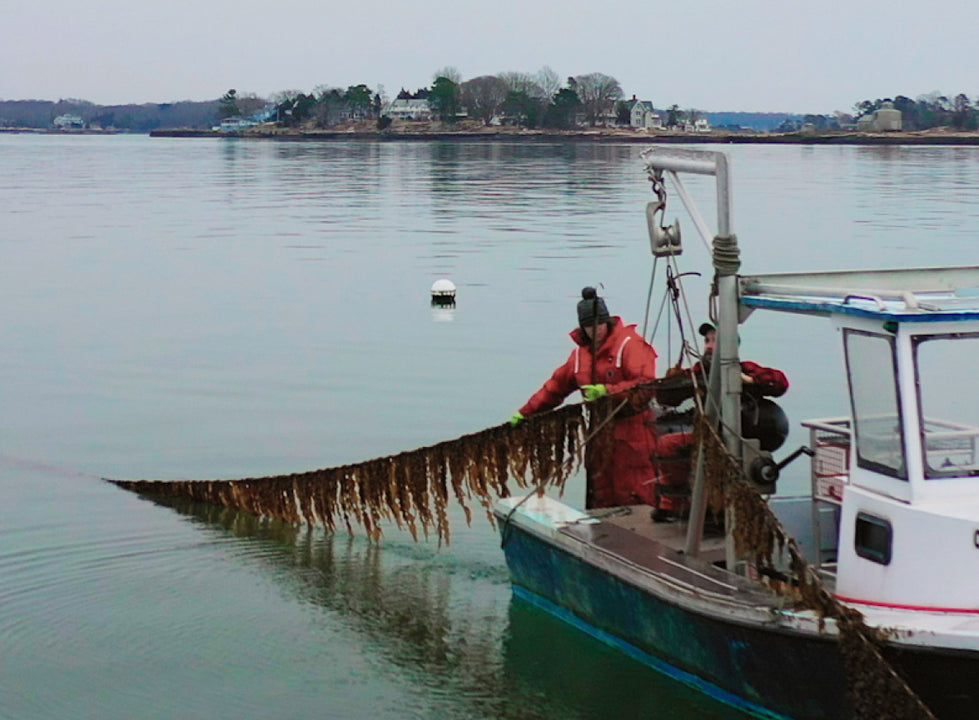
(874, 687)
(411, 489)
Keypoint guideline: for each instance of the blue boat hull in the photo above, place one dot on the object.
(766, 672)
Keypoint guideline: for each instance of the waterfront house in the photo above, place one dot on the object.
(642, 115)
(68, 122)
(235, 124)
(408, 110)
(885, 118)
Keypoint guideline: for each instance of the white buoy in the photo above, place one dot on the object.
(443, 292)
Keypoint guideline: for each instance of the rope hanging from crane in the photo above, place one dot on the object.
(875, 688)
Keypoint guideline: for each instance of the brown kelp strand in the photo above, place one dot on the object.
(411, 489)
(874, 688)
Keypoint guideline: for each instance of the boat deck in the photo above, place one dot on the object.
(657, 547)
(639, 519)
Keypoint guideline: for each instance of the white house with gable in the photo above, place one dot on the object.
(68, 121)
(408, 110)
(642, 115)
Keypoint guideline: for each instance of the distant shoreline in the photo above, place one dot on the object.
(939, 137)
(53, 131)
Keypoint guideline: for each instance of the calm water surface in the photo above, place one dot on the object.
(214, 308)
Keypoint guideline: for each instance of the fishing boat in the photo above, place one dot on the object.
(871, 607)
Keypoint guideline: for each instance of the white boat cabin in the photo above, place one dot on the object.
(903, 468)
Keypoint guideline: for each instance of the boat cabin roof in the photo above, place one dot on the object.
(909, 343)
(906, 295)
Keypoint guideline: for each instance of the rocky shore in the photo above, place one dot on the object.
(425, 132)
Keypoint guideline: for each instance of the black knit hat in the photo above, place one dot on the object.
(591, 308)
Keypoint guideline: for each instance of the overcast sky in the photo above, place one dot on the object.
(752, 55)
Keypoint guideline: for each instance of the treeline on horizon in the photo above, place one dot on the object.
(929, 111)
(143, 118)
(539, 100)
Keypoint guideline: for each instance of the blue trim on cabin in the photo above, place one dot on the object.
(825, 307)
(661, 666)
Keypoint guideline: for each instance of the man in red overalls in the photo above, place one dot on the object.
(760, 419)
(756, 380)
(609, 357)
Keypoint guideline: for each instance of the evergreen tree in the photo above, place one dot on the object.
(563, 108)
(443, 98)
(521, 109)
(228, 105)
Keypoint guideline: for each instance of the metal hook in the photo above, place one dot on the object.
(664, 241)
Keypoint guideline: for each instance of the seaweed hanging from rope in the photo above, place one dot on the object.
(410, 489)
(875, 689)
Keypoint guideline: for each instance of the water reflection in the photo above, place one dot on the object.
(443, 314)
(459, 199)
(399, 598)
(914, 192)
(231, 308)
(452, 627)
(485, 196)
(509, 170)
(581, 678)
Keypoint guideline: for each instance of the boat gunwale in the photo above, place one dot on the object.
(942, 632)
(663, 586)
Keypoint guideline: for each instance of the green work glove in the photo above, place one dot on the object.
(593, 392)
(517, 417)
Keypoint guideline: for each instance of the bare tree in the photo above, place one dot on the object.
(521, 83)
(549, 82)
(483, 96)
(448, 72)
(329, 105)
(250, 103)
(324, 90)
(283, 95)
(598, 94)
(525, 101)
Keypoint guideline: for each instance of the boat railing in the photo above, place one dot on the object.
(830, 440)
(950, 446)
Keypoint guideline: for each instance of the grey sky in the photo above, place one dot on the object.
(762, 55)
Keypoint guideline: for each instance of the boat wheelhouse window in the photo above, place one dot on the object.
(945, 374)
(872, 538)
(872, 370)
